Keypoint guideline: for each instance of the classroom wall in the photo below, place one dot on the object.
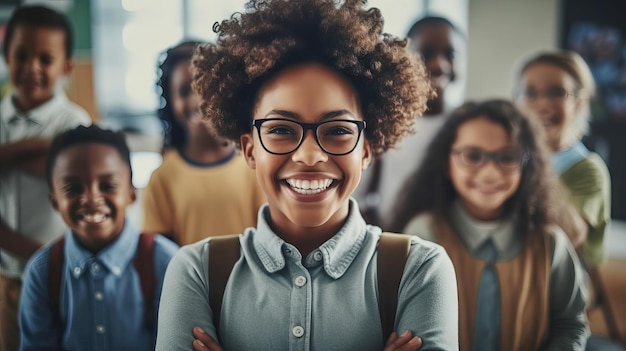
(500, 32)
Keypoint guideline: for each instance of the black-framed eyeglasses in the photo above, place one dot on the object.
(506, 160)
(553, 94)
(281, 136)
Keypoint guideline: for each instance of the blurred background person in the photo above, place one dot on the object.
(555, 88)
(38, 46)
(204, 186)
(442, 47)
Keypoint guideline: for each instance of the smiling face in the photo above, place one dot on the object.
(557, 115)
(91, 188)
(483, 191)
(36, 59)
(307, 189)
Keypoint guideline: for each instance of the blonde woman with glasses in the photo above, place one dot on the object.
(555, 88)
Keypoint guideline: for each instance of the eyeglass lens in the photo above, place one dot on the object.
(283, 136)
(552, 94)
(505, 159)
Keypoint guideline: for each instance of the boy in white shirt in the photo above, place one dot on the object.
(37, 49)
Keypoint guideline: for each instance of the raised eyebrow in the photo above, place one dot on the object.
(108, 176)
(324, 116)
(74, 179)
(333, 114)
(510, 148)
(283, 113)
(68, 180)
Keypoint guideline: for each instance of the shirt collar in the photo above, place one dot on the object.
(475, 232)
(38, 115)
(564, 159)
(115, 257)
(338, 252)
(7, 109)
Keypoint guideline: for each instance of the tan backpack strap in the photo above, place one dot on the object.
(224, 251)
(393, 251)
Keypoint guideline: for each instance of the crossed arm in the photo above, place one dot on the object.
(404, 342)
(28, 155)
(15, 243)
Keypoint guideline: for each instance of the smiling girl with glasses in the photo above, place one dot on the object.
(312, 91)
(486, 193)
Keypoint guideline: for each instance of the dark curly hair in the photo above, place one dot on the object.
(174, 135)
(38, 16)
(272, 35)
(429, 189)
(87, 135)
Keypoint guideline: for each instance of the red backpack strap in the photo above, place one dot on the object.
(393, 251)
(57, 258)
(144, 264)
(224, 251)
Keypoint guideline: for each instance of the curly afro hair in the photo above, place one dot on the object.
(272, 35)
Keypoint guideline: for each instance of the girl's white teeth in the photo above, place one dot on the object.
(308, 187)
(94, 217)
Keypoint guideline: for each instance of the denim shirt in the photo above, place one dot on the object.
(102, 305)
(276, 300)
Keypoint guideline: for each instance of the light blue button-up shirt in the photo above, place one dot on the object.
(102, 305)
(563, 160)
(276, 300)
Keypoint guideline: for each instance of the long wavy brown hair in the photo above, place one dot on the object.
(273, 35)
(430, 189)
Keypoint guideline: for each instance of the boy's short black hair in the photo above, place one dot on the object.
(38, 16)
(429, 21)
(83, 135)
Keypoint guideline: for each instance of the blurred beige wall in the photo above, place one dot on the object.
(500, 33)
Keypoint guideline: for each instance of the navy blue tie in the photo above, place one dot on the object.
(487, 331)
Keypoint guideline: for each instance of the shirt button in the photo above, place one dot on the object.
(95, 267)
(116, 270)
(98, 296)
(317, 255)
(300, 281)
(77, 271)
(100, 329)
(297, 331)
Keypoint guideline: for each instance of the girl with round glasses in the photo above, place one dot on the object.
(555, 88)
(312, 91)
(486, 194)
